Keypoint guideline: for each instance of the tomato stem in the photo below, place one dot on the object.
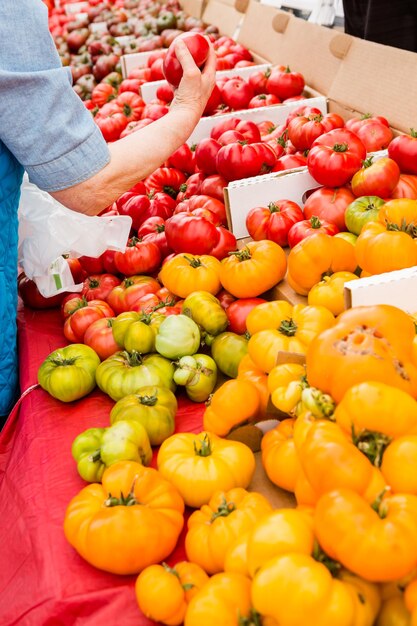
(95, 456)
(371, 444)
(242, 255)
(315, 222)
(320, 556)
(224, 509)
(377, 504)
(288, 327)
(340, 147)
(205, 449)
(253, 619)
(192, 261)
(129, 500)
(148, 400)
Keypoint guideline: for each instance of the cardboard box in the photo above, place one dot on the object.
(225, 14)
(276, 114)
(195, 8)
(398, 288)
(130, 62)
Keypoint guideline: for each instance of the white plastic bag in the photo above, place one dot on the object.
(47, 230)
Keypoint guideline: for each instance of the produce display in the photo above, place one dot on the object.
(189, 313)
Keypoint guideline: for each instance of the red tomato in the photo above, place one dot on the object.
(157, 72)
(112, 125)
(77, 270)
(91, 265)
(376, 179)
(191, 187)
(406, 187)
(191, 234)
(153, 229)
(302, 111)
(183, 159)
(259, 81)
(303, 130)
(140, 257)
(32, 297)
(214, 101)
(109, 265)
(199, 48)
(329, 204)
(290, 161)
(403, 150)
(99, 336)
(130, 84)
(206, 154)
(284, 83)
(274, 221)
(249, 129)
(238, 311)
(102, 93)
(237, 93)
(236, 161)
(230, 136)
(131, 104)
(157, 54)
(82, 317)
(130, 290)
(263, 100)
(203, 202)
(154, 111)
(98, 286)
(374, 134)
(166, 179)
(140, 207)
(165, 93)
(306, 228)
(226, 243)
(335, 157)
(213, 186)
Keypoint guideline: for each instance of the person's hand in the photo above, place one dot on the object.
(196, 86)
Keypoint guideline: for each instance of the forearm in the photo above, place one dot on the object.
(132, 158)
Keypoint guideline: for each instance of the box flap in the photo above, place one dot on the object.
(130, 62)
(368, 81)
(397, 288)
(223, 14)
(285, 39)
(195, 8)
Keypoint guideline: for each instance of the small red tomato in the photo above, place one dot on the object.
(238, 311)
(306, 228)
(199, 48)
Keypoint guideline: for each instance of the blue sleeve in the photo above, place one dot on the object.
(42, 120)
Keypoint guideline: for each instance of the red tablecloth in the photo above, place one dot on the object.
(43, 581)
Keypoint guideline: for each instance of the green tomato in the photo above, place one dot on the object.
(200, 376)
(85, 450)
(152, 406)
(228, 349)
(125, 373)
(361, 211)
(125, 441)
(178, 336)
(206, 311)
(139, 337)
(121, 324)
(69, 373)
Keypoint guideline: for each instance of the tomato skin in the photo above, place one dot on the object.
(289, 162)
(335, 157)
(306, 228)
(236, 161)
(140, 257)
(284, 83)
(406, 187)
(403, 150)
(111, 125)
(205, 155)
(140, 207)
(376, 179)
(374, 134)
(131, 105)
(131, 289)
(191, 187)
(99, 337)
(199, 48)
(329, 204)
(237, 93)
(226, 243)
(183, 159)
(201, 201)
(249, 129)
(213, 186)
(273, 222)
(82, 317)
(166, 179)
(92, 265)
(188, 233)
(153, 229)
(237, 312)
(302, 131)
(361, 211)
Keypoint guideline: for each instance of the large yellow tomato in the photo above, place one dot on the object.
(199, 465)
(132, 520)
(329, 292)
(279, 456)
(185, 273)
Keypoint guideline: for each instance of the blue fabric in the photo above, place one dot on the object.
(42, 120)
(11, 173)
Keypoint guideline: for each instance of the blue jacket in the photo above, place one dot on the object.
(11, 173)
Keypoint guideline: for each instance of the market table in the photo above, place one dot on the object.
(43, 581)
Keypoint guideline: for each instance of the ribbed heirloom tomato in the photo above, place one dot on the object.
(335, 157)
(274, 221)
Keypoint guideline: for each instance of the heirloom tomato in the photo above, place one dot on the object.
(131, 104)
(329, 204)
(259, 266)
(204, 308)
(234, 403)
(130, 291)
(32, 297)
(199, 49)
(69, 373)
(153, 230)
(167, 180)
(125, 373)
(201, 201)
(305, 228)
(189, 233)
(222, 520)
(237, 93)
(317, 256)
(335, 157)
(259, 80)
(329, 292)
(213, 186)
(152, 406)
(111, 125)
(141, 206)
(274, 221)
(178, 335)
(403, 149)
(387, 533)
(290, 161)
(374, 134)
(365, 340)
(99, 336)
(185, 273)
(226, 243)
(198, 465)
(238, 311)
(361, 211)
(247, 128)
(303, 130)
(206, 154)
(98, 286)
(278, 326)
(376, 179)
(386, 247)
(284, 83)
(241, 160)
(140, 257)
(198, 374)
(133, 502)
(228, 349)
(83, 316)
(279, 457)
(263, 100)
(183, 159)
(163, 593)
(406, 187)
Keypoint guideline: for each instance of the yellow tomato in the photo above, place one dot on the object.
(329, 292)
